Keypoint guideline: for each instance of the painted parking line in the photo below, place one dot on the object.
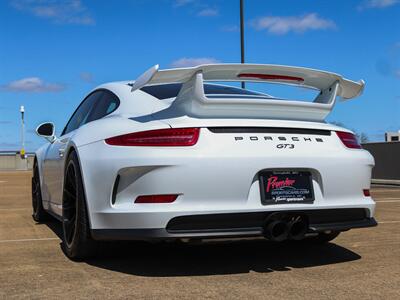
(18, 208)
(386, 201)
(3, 181)
(28, 240)
(388, 222)
(56, 238)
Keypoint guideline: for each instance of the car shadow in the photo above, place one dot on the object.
(55, 226)
(212, 258)
(216, 258)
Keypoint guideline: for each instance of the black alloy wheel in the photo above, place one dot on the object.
(77, 242)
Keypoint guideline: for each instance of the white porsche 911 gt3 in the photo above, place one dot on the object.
(169, 156)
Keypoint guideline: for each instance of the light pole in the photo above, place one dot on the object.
(242, 36)
(22, 110)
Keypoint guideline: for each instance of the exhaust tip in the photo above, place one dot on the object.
(276, 231)
(298, 228)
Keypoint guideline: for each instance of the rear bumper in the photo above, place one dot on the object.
(218, 175)
(232, 225)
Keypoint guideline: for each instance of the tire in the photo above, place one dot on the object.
(38, 213)
(322, 238)
(77, 242)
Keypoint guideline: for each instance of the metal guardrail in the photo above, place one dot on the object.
(12, 160)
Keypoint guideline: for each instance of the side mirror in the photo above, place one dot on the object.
(47, 131)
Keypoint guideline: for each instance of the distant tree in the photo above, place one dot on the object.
(363, 138)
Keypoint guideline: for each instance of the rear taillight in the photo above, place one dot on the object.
(348, 139)
(366, 192)
(159, 137)
(156, 199)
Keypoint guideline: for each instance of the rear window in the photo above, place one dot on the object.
(166, 91)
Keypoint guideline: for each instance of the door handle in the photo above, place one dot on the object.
(61, 152)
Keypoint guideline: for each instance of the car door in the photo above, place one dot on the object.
(55, 158)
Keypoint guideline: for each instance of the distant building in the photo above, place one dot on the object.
(392, 136)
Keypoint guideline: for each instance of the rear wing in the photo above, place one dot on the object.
(192, 100)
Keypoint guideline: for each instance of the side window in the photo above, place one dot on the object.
(107, 103)
(82, 112)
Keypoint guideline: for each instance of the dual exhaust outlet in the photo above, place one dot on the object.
(279, 227)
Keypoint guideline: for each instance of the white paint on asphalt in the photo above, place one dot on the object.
(56, 238)
(388, 222)
(19, 208)
(28, 240)
(387, 201)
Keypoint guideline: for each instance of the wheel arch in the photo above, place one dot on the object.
(69, 150)
(38, 161)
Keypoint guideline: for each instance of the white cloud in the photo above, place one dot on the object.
(377, 4)
(86, 76)
(197, 7)
(31, 85)
(298, 24)
(182, 2)
(230, 28)
(62, 11)
(191, 61)
(208, 12)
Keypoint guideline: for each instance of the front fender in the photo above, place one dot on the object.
(40, 156)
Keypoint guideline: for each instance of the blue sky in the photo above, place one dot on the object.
(53, 52)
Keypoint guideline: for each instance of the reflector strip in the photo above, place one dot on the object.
(366, 193)
(156, 199)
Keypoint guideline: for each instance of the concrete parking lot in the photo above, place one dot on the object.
(360, 264)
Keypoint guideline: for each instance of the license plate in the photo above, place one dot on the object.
(283, 187)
